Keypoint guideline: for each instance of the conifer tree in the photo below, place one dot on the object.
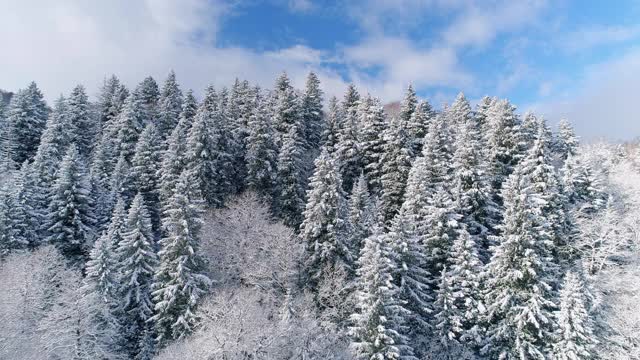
(331, 130)
(395, 163)
(447, 323)
(378, 330)
(26, 216)
(286, 113)
(519, 276)
(459, 112)
(362, 216)
(323, 228)
(408, 106)
(566, 141)
(106, 99)
(26, 118)
(439, 229)
(481, 114)
(7, 241)
(419, 125)
(580, 186)
(122, 183)
(150, 97)
(70, 219)
(236, 118)
(80, 120)
(311, 111)
(170, 106)
(262, 154)
(575, 337)
(179, 281)
(137, 263)
(144, 174)
(372, 121)
(348, 149)
(130, 123)
(290, 170)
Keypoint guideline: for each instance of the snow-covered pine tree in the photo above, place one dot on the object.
(311, 111)
(362, 216)
(419, 125)
(130, 123)
(179, 280)
(348, 150)
(5, 143)
(144, 171)
(372, 122)
(439, 229)
(481, 114)
(290, 179)
(203, 160)
(331, 130)
(528, 130)
(173, 159)
(150, 97)
(25, 215)
(286, 113)
(170, 106)
(471, 186)
(447, 322)
(323, 228)
(70, 218)
(580, 186)
(236, 118)
(7, 242)
(408, 106)
(349, 104)
(395, 163)
(460, 111)
(106, 100)
(81, 122)
(565, 142)
(575, 337)
(137, 261)
(504, 143)
(121, 184)
(519, 276)
(378, 330)
(262, 154)
(26, 118)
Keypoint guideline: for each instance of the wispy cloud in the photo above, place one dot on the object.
(590, 37)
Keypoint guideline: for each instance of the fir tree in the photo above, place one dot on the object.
(519, 276)
(150, 97)
(170, 106)
(580, 186)
(137, 261)
(311, 111)
(144, 174)
(408, 105)
(459, 112)
(70, 219)
(447, 321)
(348, 149)
(575, 337)
(179, 282)
(323, 228)
(395, 163)
(378, 330)
(26, 216)
(331, 130)
(372, 121)
(419, 125)
(362, 216)
(81, 122)
(130, 123)
(286, 112)
(262, 154)
(7, 242)
(566, 141)
(122, 183)
(106, 100)
(439, 229)
(291, 196)
(26, 118)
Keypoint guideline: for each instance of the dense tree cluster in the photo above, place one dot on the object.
(429, 234)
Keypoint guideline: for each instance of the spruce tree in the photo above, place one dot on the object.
(419, 125)
(447, 323)
(348, 149)
(144, 171)
(439, 229)
(26, 216)
(121, 184)
(70, 219)
(459, 112)
(137, 261)
(408, 106)
(395, 163)
(179, 281)
(150, 97)
(378, 330)
(323, 228)
(130, 123)
(170, 106)
(519, 276)
(372, 121)
(575, 337)
(106, 99)
(290, 170)
(81, 121)
(311, 111)
(566, 141)
(362, 216)
(331, 130)
(580, 186)
(262, 154)
(7, 241)
(27, 117)
(286, 113)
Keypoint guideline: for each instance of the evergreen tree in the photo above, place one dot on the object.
(447, 320)
(372, 122)
(130, 123)
(408, 106)
(170, 106)
(286, 112)
(362, 216)
(529, 130)
(331, 130)
(323, 228)
(122, 183)
(149, 94)
(566, 141)
(504, 143)
(348, 149)
(519, 276)
(580, 186)
(378, 330)
(7, 241)
(419, 125)
(70, 219)
(144, 174)
(137, 263)
(179, 282)
(27, 117)
(106, 99)
(262, 154)
(482, 112)
(291, 188)
(80, 120)
(311, 111)
(575, 338)
(395, 163)
(459, 112)
(237, 116)
(439, 229)
(26, 217)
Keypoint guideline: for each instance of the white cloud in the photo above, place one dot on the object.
(594, 36)
(606, 104)
(302, 6)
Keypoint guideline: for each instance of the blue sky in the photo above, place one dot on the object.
(574, 59)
